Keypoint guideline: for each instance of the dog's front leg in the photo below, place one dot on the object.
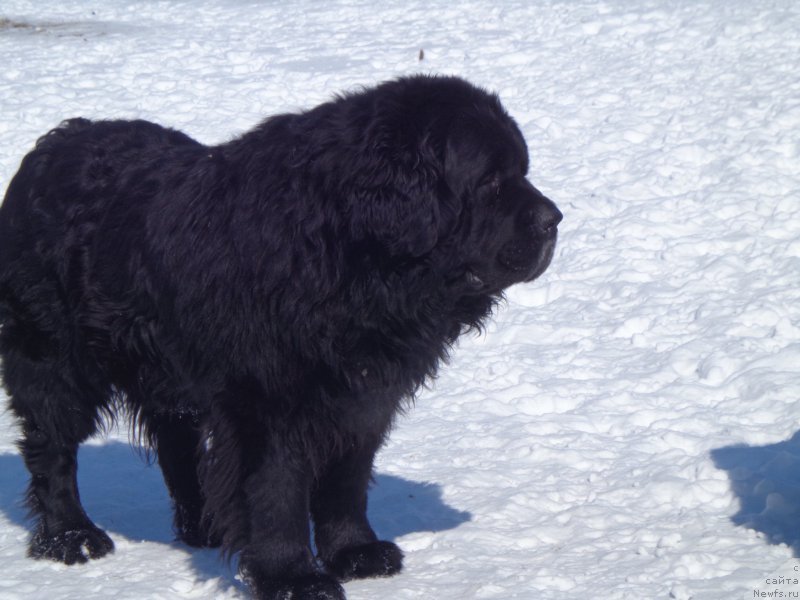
(346, 543)
(277, 562)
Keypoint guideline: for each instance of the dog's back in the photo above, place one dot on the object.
(73, 166)
(62, 190)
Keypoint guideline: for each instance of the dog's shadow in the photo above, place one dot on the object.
(766, 479)
(127, 497)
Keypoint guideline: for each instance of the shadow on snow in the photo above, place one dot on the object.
(128, 498)
(766, 479)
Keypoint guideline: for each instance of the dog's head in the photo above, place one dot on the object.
(442, 177)
(507, 226)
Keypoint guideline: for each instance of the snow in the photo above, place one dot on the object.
(627, 427)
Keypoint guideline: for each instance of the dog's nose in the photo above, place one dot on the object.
(546, 216)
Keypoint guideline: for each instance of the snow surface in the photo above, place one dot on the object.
(627, 428)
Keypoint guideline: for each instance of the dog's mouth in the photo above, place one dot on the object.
(517, 262)
(527, 260)
(473, 280)
(546, 253)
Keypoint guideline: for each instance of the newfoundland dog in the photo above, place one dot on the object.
(260, 309)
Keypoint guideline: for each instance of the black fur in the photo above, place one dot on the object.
(261, 308)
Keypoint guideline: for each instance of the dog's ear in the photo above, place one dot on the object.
(393, 195)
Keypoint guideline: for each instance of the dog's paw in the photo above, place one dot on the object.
(376, 559)
(308, 587)
(71, 546)
(197, 537)
(193, 530)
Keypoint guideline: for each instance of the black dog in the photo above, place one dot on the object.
(261, 309)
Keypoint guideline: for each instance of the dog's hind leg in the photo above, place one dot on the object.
(57, 413)
(177, 440)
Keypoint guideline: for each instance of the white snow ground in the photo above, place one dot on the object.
(627, 428)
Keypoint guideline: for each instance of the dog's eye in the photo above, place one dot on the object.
(491, 184)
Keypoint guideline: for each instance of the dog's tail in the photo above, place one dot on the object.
(19, 233)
